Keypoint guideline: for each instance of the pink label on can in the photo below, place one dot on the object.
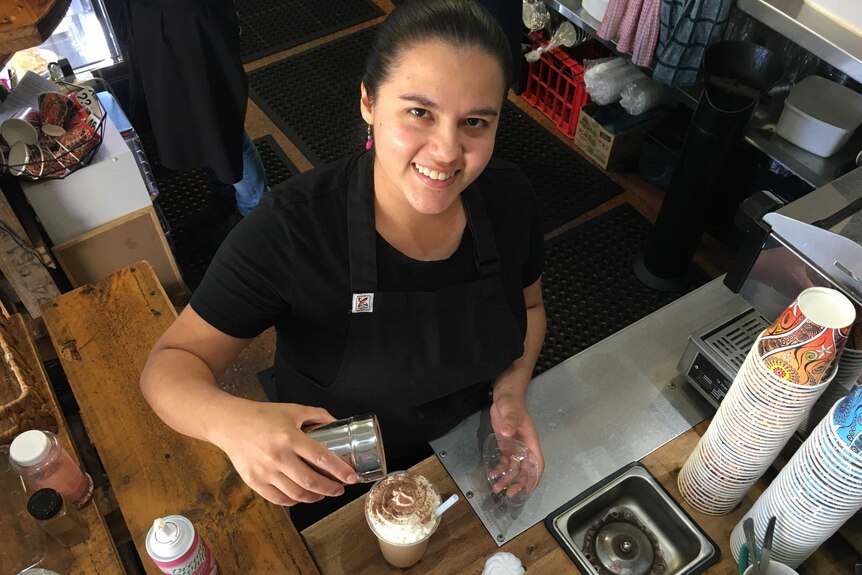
(198, 560)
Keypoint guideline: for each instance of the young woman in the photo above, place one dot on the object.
(403, 281)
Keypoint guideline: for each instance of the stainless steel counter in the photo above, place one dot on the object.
(607, 406)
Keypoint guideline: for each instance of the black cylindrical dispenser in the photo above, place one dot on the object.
(736, 75)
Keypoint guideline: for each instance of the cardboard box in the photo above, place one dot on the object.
(605, 148)
(111, 247)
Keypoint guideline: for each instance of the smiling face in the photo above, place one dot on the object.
(435, 118)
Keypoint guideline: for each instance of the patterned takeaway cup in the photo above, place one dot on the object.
(803, 344)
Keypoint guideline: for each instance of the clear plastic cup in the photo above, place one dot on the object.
(400, 510)
(511, 468)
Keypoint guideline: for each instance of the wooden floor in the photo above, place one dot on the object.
(239, 379)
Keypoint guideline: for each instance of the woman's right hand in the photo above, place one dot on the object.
(272, 454)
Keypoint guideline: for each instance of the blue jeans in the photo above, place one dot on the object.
(251, 187)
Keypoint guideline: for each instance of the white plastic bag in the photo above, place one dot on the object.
(643, 95)
(605, 81)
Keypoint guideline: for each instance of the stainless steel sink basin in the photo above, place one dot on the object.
(627, 524)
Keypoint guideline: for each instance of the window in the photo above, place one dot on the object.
(85, 37)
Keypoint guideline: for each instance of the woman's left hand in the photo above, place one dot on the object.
(510, 418)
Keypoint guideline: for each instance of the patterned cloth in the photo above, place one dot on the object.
(610, 26)
(634, 26)
(648, 33)
(688, 27)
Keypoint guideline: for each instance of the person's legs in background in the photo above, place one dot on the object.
(251, 187)
(231, 202)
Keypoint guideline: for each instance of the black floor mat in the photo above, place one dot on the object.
(313, 98)
(567, 184)
(270, 26)
(185, 194)
(590, 289)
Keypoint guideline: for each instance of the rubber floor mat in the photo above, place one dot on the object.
(567, 184)
(270, 26)
(185, 197)
(589, 287)
(313, 98)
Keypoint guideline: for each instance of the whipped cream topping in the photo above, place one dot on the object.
(400, 508)
(503, 563)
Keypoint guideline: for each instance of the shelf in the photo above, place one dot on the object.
(814, 170)
(573, 11)
(811, 30)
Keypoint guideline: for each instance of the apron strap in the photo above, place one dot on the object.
(485, 248)
(362, 234)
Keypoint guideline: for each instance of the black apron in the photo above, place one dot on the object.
(187, 53)
(422, 360)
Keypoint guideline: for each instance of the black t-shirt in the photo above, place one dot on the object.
(286, 264)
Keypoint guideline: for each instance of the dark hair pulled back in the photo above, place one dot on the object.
(459, 23)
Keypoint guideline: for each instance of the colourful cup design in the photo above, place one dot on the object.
(76, 143)
(25, 159)
(22, 127)
(36, 163)
(803, 344)
(55, 110)
(848, 420)
(54, 165)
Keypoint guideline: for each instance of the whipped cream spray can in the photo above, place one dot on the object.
(176, 547)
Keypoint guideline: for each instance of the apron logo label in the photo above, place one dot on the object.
(363, 302)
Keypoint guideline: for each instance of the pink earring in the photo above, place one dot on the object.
(369, 142)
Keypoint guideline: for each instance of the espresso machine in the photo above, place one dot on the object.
(814, 241)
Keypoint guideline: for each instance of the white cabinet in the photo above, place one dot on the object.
(109, 188)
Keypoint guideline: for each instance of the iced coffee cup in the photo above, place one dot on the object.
(400, 509)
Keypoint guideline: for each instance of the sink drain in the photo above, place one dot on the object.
(619, 544)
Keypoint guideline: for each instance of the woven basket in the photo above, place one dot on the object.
(22, 381)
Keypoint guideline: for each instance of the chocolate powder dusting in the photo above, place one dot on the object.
(404, 498)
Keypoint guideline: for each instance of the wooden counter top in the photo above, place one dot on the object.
(343, 544)
(103, 333)
(97, 554)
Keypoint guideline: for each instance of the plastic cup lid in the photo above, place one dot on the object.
(509, 465)
(29, 448)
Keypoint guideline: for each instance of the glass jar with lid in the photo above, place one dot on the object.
(42, 462)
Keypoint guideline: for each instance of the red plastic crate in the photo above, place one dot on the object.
(555, 87)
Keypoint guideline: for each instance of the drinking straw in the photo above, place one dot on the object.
(446, 505)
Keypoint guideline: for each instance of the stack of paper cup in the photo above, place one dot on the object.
(817, 491)
(849, 368)
(785, 372)
(846, 376)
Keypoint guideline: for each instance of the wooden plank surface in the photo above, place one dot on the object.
(461, 544)
(21, 264)
(102, 333)
(98, 553)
